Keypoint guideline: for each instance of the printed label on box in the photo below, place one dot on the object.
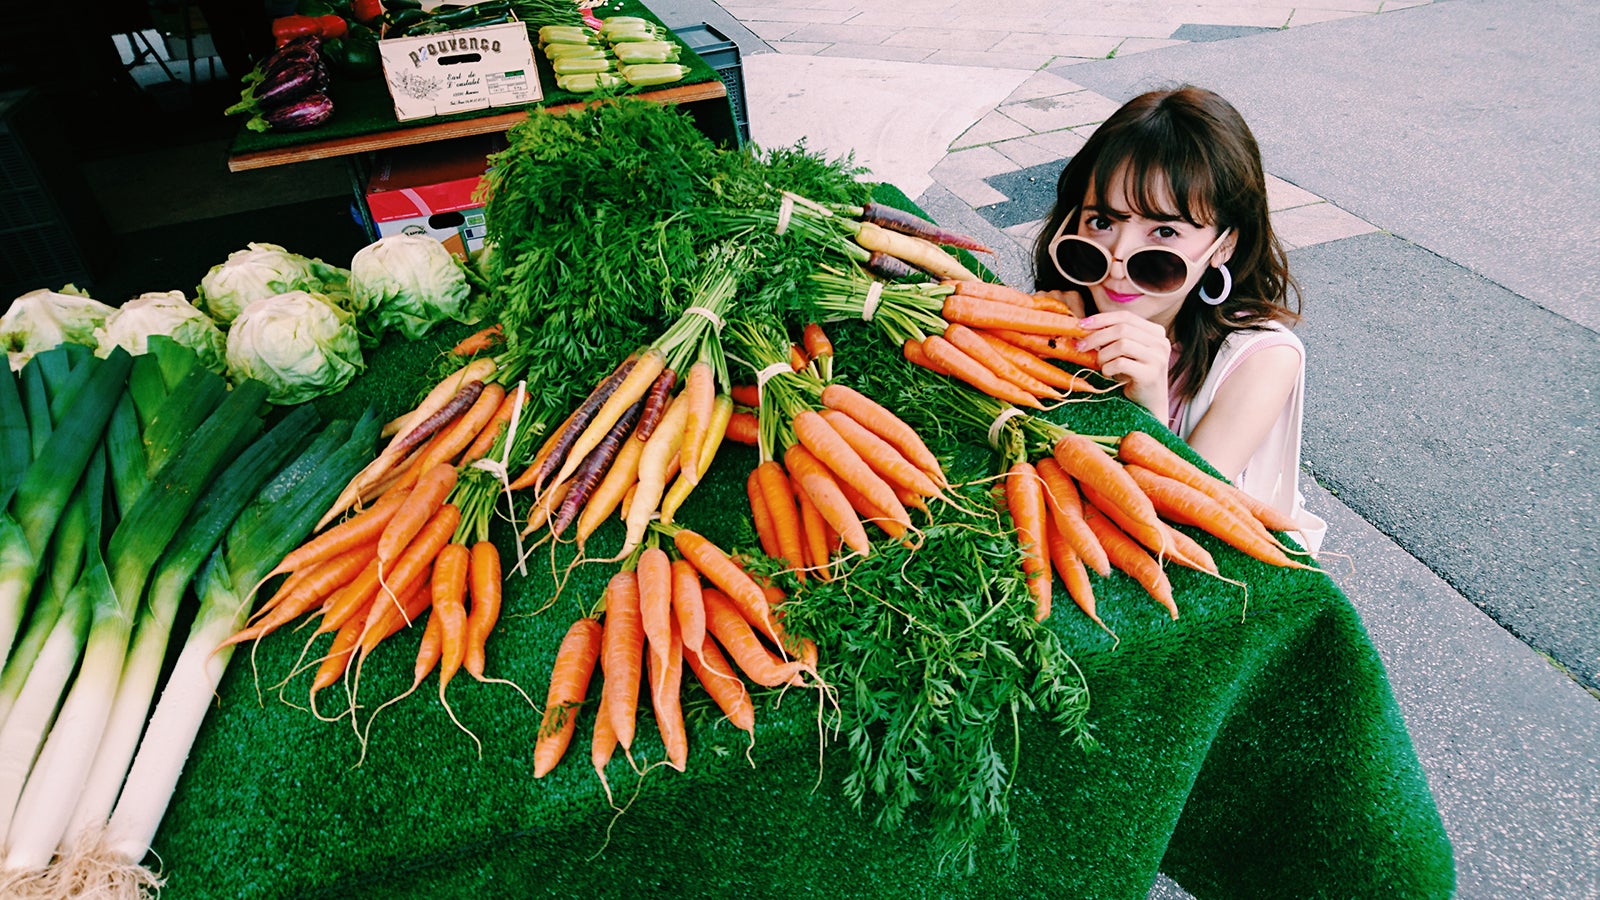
(460, 71)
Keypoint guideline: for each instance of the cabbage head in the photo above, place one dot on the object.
(39, 320)
(261, 271)
(298, 343)
(408, 282)
(131, 325)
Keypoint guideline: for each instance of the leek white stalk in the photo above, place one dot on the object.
(189, 693)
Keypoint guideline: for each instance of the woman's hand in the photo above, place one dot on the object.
(1135, 352)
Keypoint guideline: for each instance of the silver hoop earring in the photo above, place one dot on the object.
(1227, 287)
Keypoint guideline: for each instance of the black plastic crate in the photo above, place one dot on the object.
(722, 55)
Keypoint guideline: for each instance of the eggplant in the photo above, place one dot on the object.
(309, 111)
(291, 82)
(303, 47)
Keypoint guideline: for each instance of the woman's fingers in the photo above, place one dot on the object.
(1133, 351)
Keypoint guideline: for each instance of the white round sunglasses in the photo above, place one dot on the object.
(1154, 269)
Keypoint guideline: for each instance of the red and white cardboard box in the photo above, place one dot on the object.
(430, 189)
(460, 71)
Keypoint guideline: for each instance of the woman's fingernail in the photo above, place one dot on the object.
(1078, 346)
(1087, 321)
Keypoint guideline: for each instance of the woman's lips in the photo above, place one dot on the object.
(1115, 297)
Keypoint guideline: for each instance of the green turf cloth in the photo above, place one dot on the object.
(1247, 751)
(363, 106)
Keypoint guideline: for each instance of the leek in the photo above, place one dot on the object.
(282, 515)
(227, 496)
(46, 487)
(58, 777)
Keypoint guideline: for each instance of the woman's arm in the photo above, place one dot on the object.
(1247, 404)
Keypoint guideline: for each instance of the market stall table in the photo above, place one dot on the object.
(1252, 748)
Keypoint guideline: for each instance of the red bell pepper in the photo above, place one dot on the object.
(366, 11)
(287, 28)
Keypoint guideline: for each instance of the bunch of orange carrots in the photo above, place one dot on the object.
(1079, 509)
(831, 460)
(657, 614)
(995, 338)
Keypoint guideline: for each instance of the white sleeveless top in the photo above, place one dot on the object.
(1272, 474)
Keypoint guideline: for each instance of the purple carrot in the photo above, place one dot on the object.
(580, 420)
(458, 404)
(892, 268)
(586, 477)
(916, 226)
(656, 403)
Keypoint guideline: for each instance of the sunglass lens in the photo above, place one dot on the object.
(1081, 261)
(1157, 271)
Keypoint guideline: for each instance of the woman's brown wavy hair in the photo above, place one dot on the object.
(1195, 142)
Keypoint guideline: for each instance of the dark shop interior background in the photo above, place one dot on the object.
(114, 145)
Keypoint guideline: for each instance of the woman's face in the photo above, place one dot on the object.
(1111, 223)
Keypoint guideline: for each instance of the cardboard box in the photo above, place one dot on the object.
(460, 71)
(428, 189)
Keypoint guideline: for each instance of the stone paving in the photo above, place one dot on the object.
(1003, 164)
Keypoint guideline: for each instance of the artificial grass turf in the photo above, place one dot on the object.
(1249, 753)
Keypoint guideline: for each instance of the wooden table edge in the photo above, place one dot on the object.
(408, 135)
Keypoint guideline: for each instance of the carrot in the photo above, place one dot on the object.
(538, 467)
(322, 580)
(725, 623)
(439, 395)
(891, 268)
(486, 584)
(813, 531)
(654, 574)
(360, 529)
(881, 456)
(797, 358)
(1188, 551)
(595, 416)
(906, 223)
(760, 516)
(1189, 506)
(480, 341)
(1025, 499)
(1163, 540)
(914, 354)
(711, 561)
(835, 453)
(420, 505)
(666, 680)
(746, 395)
(400, 447)
(450, 442)
(744, 428)
(336, 660)
(816, 341)
(783, 514)
(1127, 555)
(869, 512)
(962, 366)
(1087, 461)
(727, 690)
(886, 425)
(622, 655)
(990, 290)
(449, 607)
(1142, 449)
(1036, 367)
(922, 253)
(1074, 575)
(481, 446)
(569, 685)
(410, 569)
(656, 402)
(974, 345)
(1062, 347)
(823, 489)
(976, 313)
(711, 442)
(587, 476)
(347, 601)
(623, 474)
(688, 606)
(544, 507)
(660, 455)
(1061, 498)
(701, 389)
